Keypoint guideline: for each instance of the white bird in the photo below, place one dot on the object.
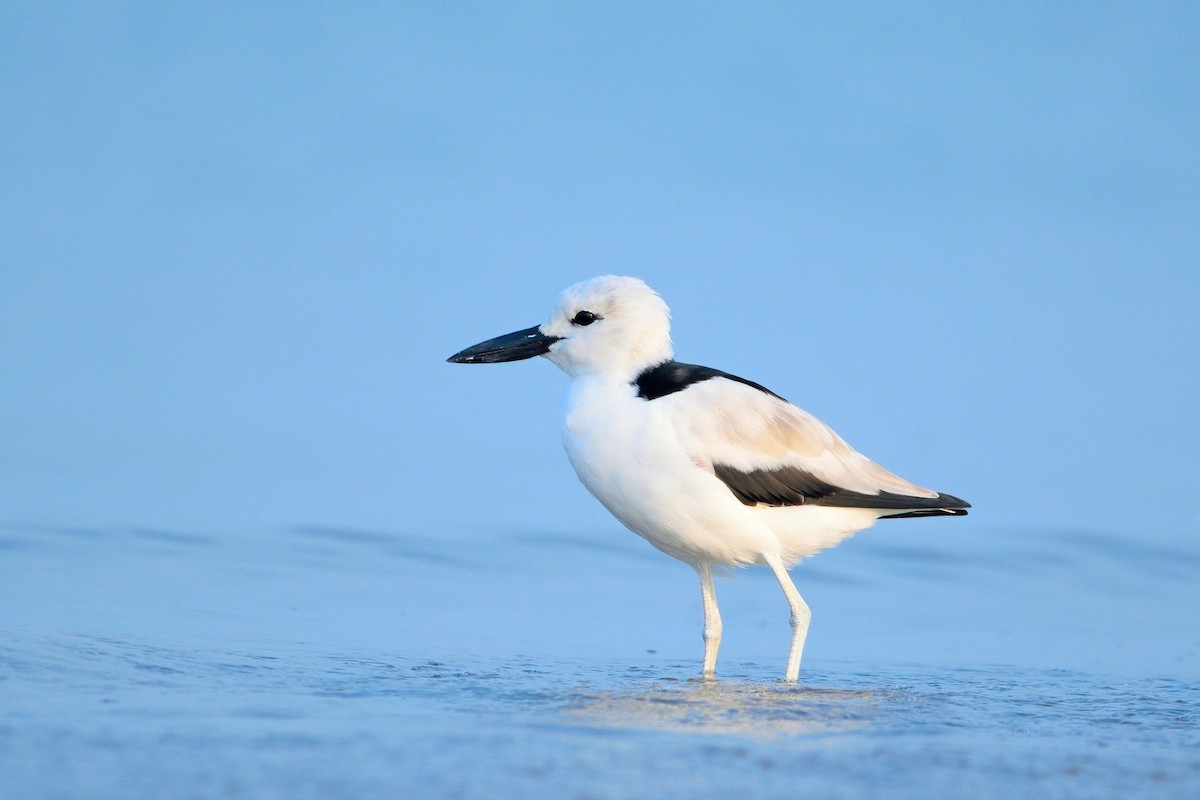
(708, 467)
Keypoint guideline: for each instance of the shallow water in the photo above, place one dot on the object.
(319, 662)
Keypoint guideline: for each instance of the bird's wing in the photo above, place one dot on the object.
(768, 451)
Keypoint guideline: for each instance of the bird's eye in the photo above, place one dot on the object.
(584, 318)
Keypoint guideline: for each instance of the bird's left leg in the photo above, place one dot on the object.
(712, 620)
(799, 619)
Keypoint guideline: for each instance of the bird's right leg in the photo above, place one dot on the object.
(712, 620)
(801, 615)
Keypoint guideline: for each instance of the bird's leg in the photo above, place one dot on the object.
(712, 620)
(799, 619)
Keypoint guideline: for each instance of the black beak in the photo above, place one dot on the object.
(515, 346)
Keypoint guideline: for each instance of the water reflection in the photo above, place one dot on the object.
(728, 707)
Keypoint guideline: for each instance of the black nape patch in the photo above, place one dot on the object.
(673, 376)
(792, 486)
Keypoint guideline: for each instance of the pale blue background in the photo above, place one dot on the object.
(238, 243)
(258, 539)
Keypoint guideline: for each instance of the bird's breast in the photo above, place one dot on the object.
(618, 447)
(627, 453)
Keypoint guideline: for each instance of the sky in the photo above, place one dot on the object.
(238, 241)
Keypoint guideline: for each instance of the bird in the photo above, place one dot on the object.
(710, 468)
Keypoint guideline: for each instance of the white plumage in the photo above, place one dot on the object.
(707, 467)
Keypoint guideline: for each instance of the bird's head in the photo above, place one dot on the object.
(609, 324)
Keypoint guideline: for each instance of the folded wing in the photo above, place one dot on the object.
(769, 452)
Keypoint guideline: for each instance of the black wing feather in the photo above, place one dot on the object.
(791, 486)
